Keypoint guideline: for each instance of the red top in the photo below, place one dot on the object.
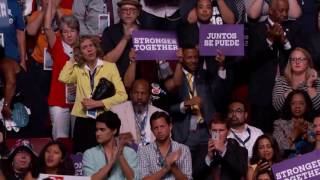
(57, 95)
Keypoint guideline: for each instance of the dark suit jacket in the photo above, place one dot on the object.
(210, 88)
(263, 60)
(233, 165)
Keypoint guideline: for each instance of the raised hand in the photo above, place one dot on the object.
(313, 75)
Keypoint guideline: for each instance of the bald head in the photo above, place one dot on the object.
(278, 10)
(140, 92)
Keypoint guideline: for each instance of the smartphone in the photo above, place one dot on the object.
(263, 160)
(215, 135)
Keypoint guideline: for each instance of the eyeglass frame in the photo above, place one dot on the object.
(299, 59)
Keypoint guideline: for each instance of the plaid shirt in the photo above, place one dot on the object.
(151, 161)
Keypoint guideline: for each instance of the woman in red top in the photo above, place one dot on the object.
(61, 50)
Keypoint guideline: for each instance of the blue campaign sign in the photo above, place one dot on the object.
(4, 17)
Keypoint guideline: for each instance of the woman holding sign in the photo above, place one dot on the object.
(61, 50)
(86, 70)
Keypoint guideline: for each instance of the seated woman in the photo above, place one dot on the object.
(265, 152)
(299, 74)
(293, 130)
(315, 140)
(20, 160)
(53, 159)
(86, 70)
(316, 131)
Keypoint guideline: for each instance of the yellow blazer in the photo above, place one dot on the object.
(73, 73)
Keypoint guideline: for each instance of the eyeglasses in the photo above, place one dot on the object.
(237, 111)
(128, 10)
(299, 59)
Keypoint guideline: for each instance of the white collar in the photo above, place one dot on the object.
(245, 129)
(99, 63)
(67, 49)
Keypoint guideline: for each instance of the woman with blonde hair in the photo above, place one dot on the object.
(86, 70)
(299, 74)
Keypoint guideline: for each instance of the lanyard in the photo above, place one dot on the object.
(141, 123)
(92, 78)
(240, 140)
(161, 158)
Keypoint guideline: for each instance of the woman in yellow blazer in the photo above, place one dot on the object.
(85, 70)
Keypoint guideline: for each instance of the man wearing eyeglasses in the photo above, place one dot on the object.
(245, 134)
(116, 39)
(164, 158)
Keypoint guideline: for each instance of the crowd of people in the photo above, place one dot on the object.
(66, 74)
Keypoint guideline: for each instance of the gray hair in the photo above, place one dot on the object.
(71, 21)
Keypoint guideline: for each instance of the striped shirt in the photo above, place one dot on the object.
(281, 87)
(151, 161)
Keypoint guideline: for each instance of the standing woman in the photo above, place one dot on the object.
(299, 74)
(61, 50)
(86, 70)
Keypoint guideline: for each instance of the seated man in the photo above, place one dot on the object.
(110, 159)
(135, 114)
(226, 159)
(245, 134)
(164, 158)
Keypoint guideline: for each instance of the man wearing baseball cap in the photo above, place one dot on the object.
(20, 160)
(116, 39)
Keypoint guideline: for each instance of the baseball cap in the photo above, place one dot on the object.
(22, 144)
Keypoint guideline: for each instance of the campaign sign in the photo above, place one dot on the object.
(4, 16)
(228, 39)
(155, 45)
(301, 167)
(77, 162)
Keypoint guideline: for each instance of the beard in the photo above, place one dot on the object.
(139, 108)
(235, 122)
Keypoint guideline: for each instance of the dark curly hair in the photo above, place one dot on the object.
(255, 150)
(66, 167)
(286, 110)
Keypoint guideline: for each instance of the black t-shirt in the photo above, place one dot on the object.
(110, 38)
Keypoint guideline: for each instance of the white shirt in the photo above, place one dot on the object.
(254, 134)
